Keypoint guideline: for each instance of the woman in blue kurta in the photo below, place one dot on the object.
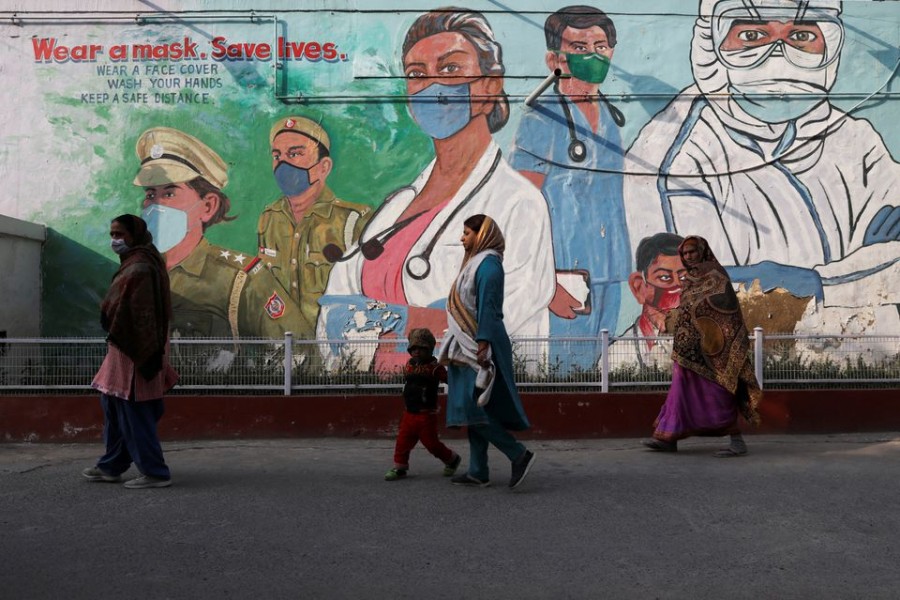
(482, 389)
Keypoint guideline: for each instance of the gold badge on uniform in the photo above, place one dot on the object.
(275, 306)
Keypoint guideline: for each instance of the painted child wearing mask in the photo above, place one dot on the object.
(656, 285)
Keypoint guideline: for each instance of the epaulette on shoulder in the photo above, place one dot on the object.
(362, 209)
(235, 260)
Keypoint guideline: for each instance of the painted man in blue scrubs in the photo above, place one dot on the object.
(569, 145)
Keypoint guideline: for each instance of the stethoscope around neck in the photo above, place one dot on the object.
(577, 149)
(418, 266)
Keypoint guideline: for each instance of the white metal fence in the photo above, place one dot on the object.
(255, 366)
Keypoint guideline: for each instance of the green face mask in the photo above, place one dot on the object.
(591, 68)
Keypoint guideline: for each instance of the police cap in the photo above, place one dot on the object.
(303, 125)
(171, 156)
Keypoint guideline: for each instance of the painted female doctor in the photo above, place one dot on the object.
(399, 275)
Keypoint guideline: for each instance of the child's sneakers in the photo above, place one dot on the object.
(451, 467)
(395, 474)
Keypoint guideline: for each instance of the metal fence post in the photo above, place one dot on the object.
(604, 361)
(288, 361)
(758, 354)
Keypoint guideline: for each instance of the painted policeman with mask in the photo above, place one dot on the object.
(216, 292)
(399, 275)
(569, 146)
(787, 188)
(294, 230)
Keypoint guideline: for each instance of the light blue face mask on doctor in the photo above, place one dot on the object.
(167, 225)
(442, 110)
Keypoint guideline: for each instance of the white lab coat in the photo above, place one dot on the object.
(521, 212)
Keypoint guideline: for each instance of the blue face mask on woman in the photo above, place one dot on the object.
(442, 110)
(292, 180)
(167, 225)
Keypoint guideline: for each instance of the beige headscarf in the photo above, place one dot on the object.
(489, 238)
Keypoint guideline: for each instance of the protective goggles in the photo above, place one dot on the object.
(746, 34)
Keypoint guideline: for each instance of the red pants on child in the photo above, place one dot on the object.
(419, 426)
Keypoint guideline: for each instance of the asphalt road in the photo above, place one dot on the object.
(799, 517)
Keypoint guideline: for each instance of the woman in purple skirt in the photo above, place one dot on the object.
(712, 380)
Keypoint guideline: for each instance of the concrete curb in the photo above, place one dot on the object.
(68, 418)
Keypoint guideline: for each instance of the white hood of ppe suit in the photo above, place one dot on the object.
(716, 79)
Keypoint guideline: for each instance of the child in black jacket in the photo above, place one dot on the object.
(419, 422)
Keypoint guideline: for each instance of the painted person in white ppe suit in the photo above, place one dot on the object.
(787, 188)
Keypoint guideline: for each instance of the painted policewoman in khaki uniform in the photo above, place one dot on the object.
(216, 292)
(294, 230)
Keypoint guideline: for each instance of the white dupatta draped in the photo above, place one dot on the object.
(459, 345)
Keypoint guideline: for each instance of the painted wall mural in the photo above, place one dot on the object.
(792, 191)
(309, 170)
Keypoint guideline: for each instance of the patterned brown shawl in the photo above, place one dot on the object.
(137, 307)
(710, 335)
(489, 238)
